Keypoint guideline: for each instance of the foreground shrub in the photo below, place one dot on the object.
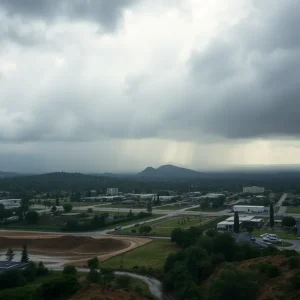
(20, 293)
(293, 262)
(60, 287)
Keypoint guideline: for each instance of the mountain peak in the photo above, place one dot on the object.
(169, 171)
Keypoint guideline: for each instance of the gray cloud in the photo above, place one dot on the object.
(104, 12)
(251, 76)
(244, 84)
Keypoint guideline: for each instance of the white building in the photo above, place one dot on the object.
(212, 196)
(226, 226)
(112, 191)
(11, 203)
(248, 208)
(254, 189)
(245, 221)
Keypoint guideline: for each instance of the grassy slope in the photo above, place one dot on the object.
(293, 210)
(152, 255)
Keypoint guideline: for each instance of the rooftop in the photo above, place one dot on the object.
(257, 206)
(242, 218)
(227, 223)
(6, 265)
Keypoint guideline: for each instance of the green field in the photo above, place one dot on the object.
(165, 227)
(281, 234)
(171, 207)
(210, 209)
(293, 210)
(121, 206)
(151, 255)
(49, 223)
(132, 221)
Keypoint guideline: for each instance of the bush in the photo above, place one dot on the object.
(138, 289)
(273, 271)
(145, 229)
(42, 270)
(93, 263)
(123, 281)
(60, 287)
(69, 270)
(225, 285)
(288, 222)
(11, 279)
(133, 231)
(89, 210)
(32, 217)
(30, 272)
(20, 293)
(289, 253)
(295, 281)
(293, 262)
(67, 207)
(93, 276)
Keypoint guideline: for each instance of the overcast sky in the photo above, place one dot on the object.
(119, 85)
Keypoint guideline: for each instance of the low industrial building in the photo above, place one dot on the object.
(11, 203)
(112, 191)
(227, 226)
(249, 208)
(245, 222)
(254, 189)
(211, 196)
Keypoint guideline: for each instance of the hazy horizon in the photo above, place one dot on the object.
(227, 168)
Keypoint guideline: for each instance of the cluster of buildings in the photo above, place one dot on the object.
(11, 203)
(112, 191)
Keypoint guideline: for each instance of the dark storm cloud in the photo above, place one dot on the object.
(105, 12)
(251, 76)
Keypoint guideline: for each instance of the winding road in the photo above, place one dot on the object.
(155, 286)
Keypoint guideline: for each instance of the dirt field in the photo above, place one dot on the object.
(67, 248)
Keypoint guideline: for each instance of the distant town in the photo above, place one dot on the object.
(125, 226)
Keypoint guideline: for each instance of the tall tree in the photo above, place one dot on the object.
(24, 257)
(157, 200)
(2, 212)
(271, 215)
(149, 207)
(10, 254)
(57, 200)
(236, 225)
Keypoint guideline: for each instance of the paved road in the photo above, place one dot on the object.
(154, 285)
(282, 209)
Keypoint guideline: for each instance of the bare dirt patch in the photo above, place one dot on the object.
(68, 249)
(95, 291)
(71, 244)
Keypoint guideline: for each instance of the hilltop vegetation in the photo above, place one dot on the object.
(215, 267)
